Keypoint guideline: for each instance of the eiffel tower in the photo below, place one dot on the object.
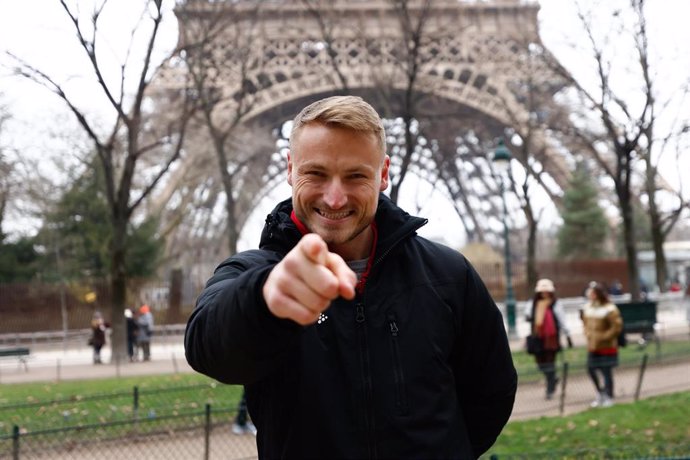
(477, 62)
(472, 54)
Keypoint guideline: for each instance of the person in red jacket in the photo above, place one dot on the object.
(353, 336)
(547, 321)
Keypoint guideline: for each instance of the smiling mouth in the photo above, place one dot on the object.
(333, 215)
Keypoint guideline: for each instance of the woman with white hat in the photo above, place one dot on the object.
(548, 322)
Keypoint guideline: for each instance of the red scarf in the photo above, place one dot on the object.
(363, 278)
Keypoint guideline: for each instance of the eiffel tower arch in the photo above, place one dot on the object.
(472, 53)
(267, 59)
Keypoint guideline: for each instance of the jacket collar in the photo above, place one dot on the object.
(394, 224)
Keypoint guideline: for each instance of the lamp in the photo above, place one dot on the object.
(501, 161)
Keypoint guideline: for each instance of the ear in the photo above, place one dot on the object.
(384, 173)
(289, 168)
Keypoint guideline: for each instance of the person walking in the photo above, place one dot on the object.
(132, 328)
(97, 340)
(242, 424)
(547, 320)
(145, 331)
(353, 336)
(602, 324)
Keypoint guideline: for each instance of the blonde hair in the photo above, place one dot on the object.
(350, 112)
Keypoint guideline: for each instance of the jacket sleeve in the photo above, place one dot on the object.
(615, 324)
(231, 335)
(486, 379)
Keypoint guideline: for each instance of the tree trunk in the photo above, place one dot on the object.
(657, 231)
(629, 242)
(406, 159)
(531, 253)
(659, 256)
(118, 287)
(175, 299)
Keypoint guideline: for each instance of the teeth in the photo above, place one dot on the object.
(334, 215)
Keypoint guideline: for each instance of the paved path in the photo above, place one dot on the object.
(46, 364)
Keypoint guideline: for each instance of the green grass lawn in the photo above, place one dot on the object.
(653, 427)
(37, 406)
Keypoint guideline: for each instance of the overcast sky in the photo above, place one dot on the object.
(39, 32)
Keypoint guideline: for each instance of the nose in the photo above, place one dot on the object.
(335, 196)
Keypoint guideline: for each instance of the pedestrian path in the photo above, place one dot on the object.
(57, 364)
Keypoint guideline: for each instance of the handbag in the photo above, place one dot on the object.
(534, 344)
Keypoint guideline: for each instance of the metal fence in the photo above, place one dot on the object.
(204, 433)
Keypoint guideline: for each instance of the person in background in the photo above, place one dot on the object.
(97, 341)
(242, 424)
(602, 323)
(145, 324)
(616, 288)
(547, 320)
(354, 336)
(131, 328)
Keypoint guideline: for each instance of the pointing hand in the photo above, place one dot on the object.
(305, 282)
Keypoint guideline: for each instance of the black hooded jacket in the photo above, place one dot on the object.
(416, 366)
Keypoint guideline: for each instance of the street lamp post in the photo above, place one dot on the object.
(501, 160)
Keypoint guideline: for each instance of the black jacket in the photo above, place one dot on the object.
(417, 366)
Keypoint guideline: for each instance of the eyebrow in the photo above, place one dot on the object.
(320, 167)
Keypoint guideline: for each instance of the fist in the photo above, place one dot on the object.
(305, 282)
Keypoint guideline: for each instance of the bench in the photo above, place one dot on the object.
(21, 353)
(640, 318)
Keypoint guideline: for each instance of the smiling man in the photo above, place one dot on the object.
(354, 336)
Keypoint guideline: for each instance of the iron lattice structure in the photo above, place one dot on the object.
(259, 62)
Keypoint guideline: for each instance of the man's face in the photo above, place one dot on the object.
(336, 175)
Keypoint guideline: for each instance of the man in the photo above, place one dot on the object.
(353, 336)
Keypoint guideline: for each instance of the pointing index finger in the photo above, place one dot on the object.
(347, 279)
(314, 248)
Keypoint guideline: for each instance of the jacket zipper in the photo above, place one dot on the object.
(398, 375)
(402, 237)
(369, 424)
(360, 318)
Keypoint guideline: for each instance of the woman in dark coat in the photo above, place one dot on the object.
(97, 341)
(548, 322)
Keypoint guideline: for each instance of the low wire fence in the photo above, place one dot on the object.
(203, 433)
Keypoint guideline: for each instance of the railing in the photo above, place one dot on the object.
(76, 335)
(204, 433)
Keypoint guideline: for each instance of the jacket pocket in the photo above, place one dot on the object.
(401, 405)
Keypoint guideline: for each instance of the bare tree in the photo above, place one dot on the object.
(661, 223)
(615, 147)
(129, 138)
(6, 167)
(223, 108)
(624, 143)
(531, 119)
